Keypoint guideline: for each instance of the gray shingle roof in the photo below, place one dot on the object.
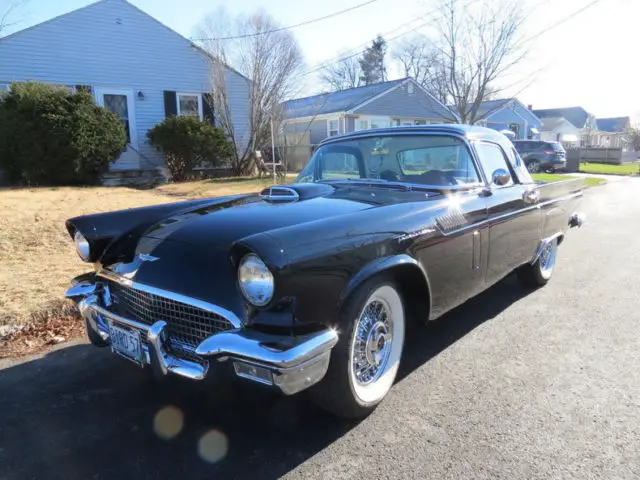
(577, 116)
(614, 124)
(550, 123)
(341, 101)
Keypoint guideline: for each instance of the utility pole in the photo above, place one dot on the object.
(273, 152)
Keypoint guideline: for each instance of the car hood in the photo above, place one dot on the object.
(225, 222)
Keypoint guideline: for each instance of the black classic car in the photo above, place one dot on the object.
(312, 285)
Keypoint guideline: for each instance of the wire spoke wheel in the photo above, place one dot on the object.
(534, 166)
(378, 337)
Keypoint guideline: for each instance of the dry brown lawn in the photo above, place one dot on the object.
(37, 257)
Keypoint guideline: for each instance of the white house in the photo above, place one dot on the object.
(561, 130)
(573, 126)
(133, 65)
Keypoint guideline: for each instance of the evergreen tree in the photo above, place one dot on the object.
(372, 62)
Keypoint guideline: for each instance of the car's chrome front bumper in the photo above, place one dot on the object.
(290, 364)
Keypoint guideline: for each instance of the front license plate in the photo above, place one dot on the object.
(126, 343)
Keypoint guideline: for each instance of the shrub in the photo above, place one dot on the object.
(187, 142)
(49, 135)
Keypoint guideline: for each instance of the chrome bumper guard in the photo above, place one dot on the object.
(288, 363)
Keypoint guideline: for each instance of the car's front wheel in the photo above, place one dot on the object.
(365, 361)
(533, 166)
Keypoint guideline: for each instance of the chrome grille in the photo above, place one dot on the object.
(187, 325)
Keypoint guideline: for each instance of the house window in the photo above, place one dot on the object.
(189, 104)
(379, 122)
(362, 124)
(333, 128)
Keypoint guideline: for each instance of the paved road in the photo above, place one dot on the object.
(514, 384)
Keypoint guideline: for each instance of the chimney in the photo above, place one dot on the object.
(530, 107)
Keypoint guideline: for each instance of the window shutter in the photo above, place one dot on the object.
(170, 105)
(207, 108)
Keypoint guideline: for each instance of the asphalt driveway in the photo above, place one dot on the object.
(515, 384)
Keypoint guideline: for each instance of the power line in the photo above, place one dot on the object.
(282, 29)
(563, 20)
(362, 49)
(335, 59)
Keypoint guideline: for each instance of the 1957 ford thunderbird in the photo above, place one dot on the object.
(312, 284)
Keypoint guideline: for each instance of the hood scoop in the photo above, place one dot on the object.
(296, 191)
(277, 194)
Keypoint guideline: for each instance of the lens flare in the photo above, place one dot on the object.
(168, 422)
(213, 446)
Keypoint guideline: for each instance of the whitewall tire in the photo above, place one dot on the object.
(364, 363)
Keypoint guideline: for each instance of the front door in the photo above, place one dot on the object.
(514, 217)
(120, 102)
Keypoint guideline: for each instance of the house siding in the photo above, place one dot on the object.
(113, 44)
(400, 103)
(565, 128)
(514, 113)
(317, 129)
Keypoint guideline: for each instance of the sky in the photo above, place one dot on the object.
(588, 61)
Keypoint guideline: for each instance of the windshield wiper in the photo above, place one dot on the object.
(359, 180)
(373, 182)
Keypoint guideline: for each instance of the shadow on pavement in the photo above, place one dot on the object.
(81, 412)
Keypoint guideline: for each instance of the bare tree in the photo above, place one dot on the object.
(269, 57)
(471, 50)
(420, 60)
(7, 11)
(633, 137)
(342, 74)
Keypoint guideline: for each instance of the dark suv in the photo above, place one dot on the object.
(541, 156)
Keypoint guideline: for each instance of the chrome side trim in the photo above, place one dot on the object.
(499, 218)
(194, 302)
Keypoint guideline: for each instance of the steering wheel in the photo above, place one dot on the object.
(389, 175)
(438, 177)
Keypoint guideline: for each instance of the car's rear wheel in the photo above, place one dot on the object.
(533, 166)
(365, 361)
(540, 272)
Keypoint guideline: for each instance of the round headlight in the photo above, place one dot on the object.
(82, 246)
(256, 280)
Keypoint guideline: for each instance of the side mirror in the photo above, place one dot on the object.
(500, 177)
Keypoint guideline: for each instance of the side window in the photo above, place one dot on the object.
(519, 167)
(493, 161)
(339, 166)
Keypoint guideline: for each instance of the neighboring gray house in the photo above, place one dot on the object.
(385, 104)
(573, 126)
(133, 65)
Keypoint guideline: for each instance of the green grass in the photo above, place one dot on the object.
(556, 177)
(606, 169)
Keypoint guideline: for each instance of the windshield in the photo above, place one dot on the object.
(555, 146)
(419, 159)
